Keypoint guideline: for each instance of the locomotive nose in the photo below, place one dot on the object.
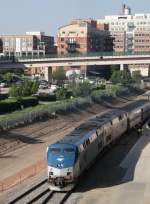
(63, 156)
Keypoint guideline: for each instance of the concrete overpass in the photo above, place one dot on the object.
(76, 61)
(49, 63)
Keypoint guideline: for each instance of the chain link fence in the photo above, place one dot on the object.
(31, 115)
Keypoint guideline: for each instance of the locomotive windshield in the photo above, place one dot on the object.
(55, 150)
(68, 150)
(61, 155)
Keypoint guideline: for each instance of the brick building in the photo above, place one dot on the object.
(118, 41)
(83, 36)
(142, 41)
(32, 43)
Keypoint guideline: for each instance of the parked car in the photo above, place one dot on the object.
(43, 86)
(4, 84)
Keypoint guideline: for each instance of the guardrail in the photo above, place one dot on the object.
(90, 54)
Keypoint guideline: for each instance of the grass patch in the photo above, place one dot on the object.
(36, 113)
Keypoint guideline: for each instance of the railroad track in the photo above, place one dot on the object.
(45, 131)
(40, 194)
(35, 132)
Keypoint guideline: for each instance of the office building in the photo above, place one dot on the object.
(30, 44)
(127, 27)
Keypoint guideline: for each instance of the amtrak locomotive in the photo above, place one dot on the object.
(71, 155)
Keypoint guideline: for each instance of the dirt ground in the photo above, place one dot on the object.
(24, 146)
(32, 134)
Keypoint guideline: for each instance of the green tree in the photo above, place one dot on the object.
(116, 76)
(59, 75)
(35, 87)
(8, 76)
(126, 77)
(27, 88)
(136, 77)
(119, 76)
(16, 92)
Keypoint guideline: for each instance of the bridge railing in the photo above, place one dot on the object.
(90, 54)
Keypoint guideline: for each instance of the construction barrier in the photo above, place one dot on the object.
(21, 176)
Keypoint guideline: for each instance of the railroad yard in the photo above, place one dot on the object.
(25, 146)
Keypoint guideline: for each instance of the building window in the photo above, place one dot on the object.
(82, 46)
(62, 39)
(72, 32)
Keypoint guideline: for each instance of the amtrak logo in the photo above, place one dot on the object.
(60, 159)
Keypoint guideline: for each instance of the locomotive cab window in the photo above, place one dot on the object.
(55, 150)
(68, 150)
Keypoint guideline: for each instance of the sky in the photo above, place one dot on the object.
(19, 16)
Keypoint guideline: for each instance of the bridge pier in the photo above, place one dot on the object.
(48, 73)
(121, 67)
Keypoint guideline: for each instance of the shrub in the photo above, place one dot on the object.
(99, 87)
(28, 102)
(83, 89)
(61, 94)
(9, 106)
(3, 96)
(46, 97)
(80, 89)
(26, 89)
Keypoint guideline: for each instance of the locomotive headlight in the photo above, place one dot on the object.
(60, 165)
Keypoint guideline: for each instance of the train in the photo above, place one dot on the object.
(70, 156)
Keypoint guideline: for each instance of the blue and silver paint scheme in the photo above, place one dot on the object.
(61, 160)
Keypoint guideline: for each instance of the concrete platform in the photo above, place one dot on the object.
(135, 187)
